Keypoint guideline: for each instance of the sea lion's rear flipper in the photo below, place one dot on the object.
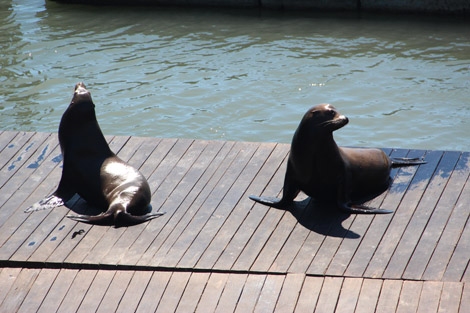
(102, 219)
(126, 219)
(118, 220)
(362, 209)
(397, 162)
(47, 203)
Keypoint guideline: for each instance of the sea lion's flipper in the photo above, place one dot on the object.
(269, 201)
(126, 219)
(47, 203)
(121, 219)
(397, 162)
(102, 219)
(362, 209)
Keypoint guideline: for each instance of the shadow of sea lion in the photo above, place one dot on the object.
(321, 218)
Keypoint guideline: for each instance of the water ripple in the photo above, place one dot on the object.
(221, 75)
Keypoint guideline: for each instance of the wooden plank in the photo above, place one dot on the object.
(250, 293)
(389, 296)
(7, 277)
(21, 184)
(20, 225)
(409, 296)
(421, 216)
(248, 240)
(349, 295)
(436, 223)
(18, 291)
(465, 299)
(115, 291)
(241, 211)
(269, 294)
(7, 141)
(154, 292)
(174, 291)
(369, 295)
(58, 291)
(39, 290)
(457, 268)
(231, 294)
(309, 295)
(371, 240)
(193, 292)
(176, 252)
(77, 291)
(319, 223)
(212, 292)
(329, 295)
(178, 204)
(238, 193)
(12, 157)
(95, 293)
(429, 298)
(450, 297)
(450, 237)
(329, 246)
(290, 292)
(404, 212)
(134, 291)
(274, 244)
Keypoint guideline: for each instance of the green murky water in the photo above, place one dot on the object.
(237, 75)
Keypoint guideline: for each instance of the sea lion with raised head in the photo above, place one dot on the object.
(346, 177)
(93, 171)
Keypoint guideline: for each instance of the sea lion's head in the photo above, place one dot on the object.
(81, 95)
(81, 109)
(324, 117)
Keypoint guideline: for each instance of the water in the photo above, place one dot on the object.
(242, 75)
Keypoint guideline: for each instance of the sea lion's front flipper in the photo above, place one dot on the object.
(102, 219)
(362, 209)
(47, 203)
(269, 201)
(397, 162)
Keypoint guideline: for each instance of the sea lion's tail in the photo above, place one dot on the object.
(397, 162)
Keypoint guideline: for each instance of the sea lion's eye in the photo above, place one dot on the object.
(332, 112)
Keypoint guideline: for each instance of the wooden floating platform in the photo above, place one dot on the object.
(215, 250)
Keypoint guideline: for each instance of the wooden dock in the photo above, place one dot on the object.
(215, 250)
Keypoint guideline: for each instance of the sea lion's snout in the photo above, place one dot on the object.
(344, 119)
(80, 88)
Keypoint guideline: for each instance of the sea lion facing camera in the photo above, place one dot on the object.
(345, 176)
(93, 171)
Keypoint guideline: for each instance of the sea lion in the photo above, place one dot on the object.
(93, 171)
(346, 177)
